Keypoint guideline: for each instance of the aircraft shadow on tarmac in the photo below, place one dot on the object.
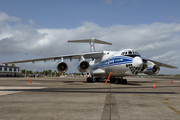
(70, 81)
(117, 90)
(88, 90)
(128, 83)
(103, 81)
(138, 83)
(133, 83)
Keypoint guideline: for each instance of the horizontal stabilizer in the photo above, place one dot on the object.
(90, 41)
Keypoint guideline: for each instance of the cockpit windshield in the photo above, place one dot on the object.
(131, 53)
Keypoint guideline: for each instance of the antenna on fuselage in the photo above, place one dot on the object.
(91, 42)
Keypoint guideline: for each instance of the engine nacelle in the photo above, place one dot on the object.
(144, 68)
(62, 67)
(83, 66)
(154, 69)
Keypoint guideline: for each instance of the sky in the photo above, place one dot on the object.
(41, 28)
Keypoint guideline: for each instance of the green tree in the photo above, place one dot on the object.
(23, 71)
(30, 72)
(46, 72)
(13, 65)
(49, 72)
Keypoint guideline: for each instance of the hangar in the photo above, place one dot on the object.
(9, 71)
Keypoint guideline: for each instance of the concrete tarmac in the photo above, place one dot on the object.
(71, 98)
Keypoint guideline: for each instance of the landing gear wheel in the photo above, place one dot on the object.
(89, 79)
(96, 79)
(116, 81)
(120, 81)
(124, 81)
(112, 80)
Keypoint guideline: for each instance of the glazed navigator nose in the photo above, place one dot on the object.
(137, 62)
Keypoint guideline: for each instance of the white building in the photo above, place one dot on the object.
(8, 71)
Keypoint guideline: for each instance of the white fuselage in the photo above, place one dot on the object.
(118, 62)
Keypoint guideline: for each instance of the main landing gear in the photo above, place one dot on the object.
(114, 80)
(118, 80)
(92, 79)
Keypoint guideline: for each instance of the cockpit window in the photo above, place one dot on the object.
(137, 53)
(130, 53)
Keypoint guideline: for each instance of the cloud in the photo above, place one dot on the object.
(174, 19)
(5, 28)
(6, 18)
(158, 41)
(109, 2)
(31, 22)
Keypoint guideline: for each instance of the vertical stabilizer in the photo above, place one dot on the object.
(91, 42)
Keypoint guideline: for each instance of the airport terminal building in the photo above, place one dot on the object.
(8, 71)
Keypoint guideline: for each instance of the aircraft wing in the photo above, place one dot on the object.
(160, 64)
(92, 55)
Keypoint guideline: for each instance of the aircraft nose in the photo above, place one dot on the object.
(137, 61)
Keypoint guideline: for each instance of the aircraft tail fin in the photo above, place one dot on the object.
(91, 41)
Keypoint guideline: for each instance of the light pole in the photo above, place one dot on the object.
(34, 73)
(25, 65)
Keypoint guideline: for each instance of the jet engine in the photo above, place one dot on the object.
(144, 67)
(154, 69)
(83, 66)
(62, 67)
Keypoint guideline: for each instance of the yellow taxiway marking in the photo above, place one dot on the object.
(164, 102)
(169, 106)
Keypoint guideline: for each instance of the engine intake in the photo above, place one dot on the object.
(144, 67)
(83, 66)
(152, 70)
(62, 67)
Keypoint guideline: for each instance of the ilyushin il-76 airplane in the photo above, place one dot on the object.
(110, 65)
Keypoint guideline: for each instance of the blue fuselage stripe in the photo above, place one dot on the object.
(117, 60)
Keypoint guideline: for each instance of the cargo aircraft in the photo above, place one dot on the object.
(110, 65)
